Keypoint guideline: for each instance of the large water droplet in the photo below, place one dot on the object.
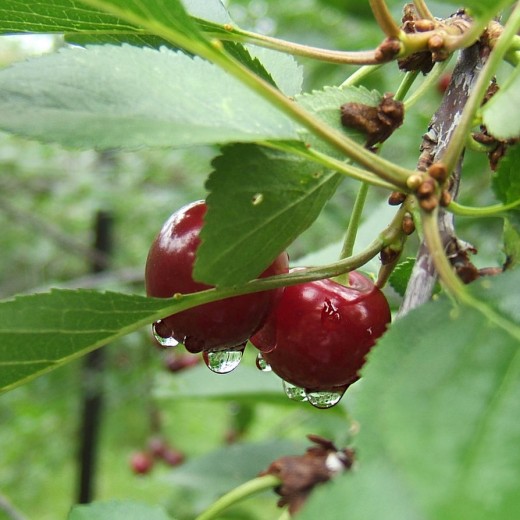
(325, 399)
(222, 361)
(163, 335)
(262, 364)
(294, 392)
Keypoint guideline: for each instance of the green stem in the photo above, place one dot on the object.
(442, 265)
(383, 168)
(496, 210)
(306, 51)
(430, 80)
(342, 167)
(352, 229)
(406, 84)
(285, 515)
(359, 75)
(423, 9)
(384, 19)
(354, 222)
(458, 139)
(182, 302)
(247, 489)
(452, 282)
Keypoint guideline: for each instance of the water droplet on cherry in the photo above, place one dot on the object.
(262, 364)
(294, 392)
(325, 399)
(222, 361)
(163, 335)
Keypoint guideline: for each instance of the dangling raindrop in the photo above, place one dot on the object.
(325, 399)
(163, 336)
(294, 392)
(222, 361)
(262, 364)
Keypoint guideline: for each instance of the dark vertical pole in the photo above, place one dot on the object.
(91, 374)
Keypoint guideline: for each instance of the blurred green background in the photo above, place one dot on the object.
(49, 197)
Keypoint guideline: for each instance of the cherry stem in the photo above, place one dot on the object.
(343, 167)
(406, 84)
(423, 9)
(384, 19)
(430, 80)
(354, 222)
(181, 302)
(496, 210)
(239, 493)
(285, 515)
(306, 51)
(352, 229)
(360, 74)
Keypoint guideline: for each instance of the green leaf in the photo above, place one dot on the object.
(168, 20)
(85, 24)
(506, 185)
(260, 200)
(401, 275)
(118, 510)
(139, 97)
(506, 181)
(61, 16)
(276, 68)
(438, 408)
(501, 114)
(44, 331)
(41, 332)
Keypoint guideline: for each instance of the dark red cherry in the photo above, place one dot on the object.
(320, 333)
(222, 325)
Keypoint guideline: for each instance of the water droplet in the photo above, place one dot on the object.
(222, 361)
(163, 335)
(262, 364)
(294, 392)
(325, 399)
(258, 198)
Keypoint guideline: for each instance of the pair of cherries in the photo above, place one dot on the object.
(314, 335)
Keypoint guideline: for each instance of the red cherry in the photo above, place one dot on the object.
(221, 325)
(172, 457)
(320, 333)
(141, 463)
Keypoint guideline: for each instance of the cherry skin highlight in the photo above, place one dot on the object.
(320, 333)
(221, 325)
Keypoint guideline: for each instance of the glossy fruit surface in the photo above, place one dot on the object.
(320, 332)
(220, 325)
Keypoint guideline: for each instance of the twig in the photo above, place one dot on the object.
(435, 141)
